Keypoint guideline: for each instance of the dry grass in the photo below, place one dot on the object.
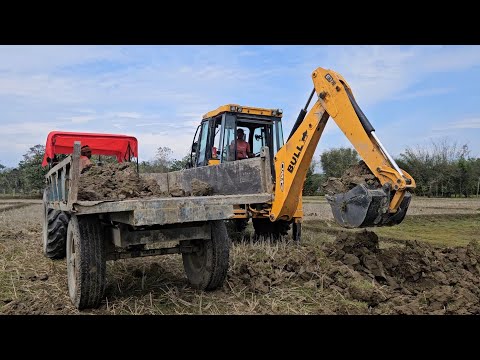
(29, 282)
(33, 284)
(6, 207)
(260, 278)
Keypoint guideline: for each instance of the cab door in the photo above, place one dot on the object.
(209, 142)
(228, 138)
(201, 148)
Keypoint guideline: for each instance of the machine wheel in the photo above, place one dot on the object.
(86, 261)
(271, 230)
(55, 225)
(236, 229)
(207, 268)
(297, 231)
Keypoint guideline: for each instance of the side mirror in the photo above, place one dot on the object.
(194, 147)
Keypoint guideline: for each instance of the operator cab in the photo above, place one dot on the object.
(215, 138)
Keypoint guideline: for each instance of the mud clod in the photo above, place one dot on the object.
(120, 181)
(201, 188)
(353, 176)
(116, 181)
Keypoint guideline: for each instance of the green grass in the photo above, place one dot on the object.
(314, 199)
(20, 196)
(470, 198)
(442, 230)
(445, 230)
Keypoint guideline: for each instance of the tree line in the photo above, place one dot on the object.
(441, 169)
(28, 177)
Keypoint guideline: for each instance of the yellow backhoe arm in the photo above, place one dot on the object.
(335, 99)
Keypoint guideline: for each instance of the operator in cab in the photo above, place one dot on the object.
(243, 147)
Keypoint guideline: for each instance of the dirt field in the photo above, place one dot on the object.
(332, 272)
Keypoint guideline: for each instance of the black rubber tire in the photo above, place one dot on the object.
(297, 232)
(272, 230)
(86, 261)
(236, 229)
(55, 225)
(207, 268)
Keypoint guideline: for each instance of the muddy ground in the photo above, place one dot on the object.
(348, 273)
(415, 278)
(119, 181)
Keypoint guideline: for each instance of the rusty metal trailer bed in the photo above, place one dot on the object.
(88, 233)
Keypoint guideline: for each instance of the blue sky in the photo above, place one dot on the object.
(411, 94)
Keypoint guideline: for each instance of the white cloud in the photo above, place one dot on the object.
(384, 72)
(449, 58)
(148, 144)
(17, 138)
(149, 124)
(162, 100)
(471, 123)
(424, 92)
(39, 86)
(81, 119)
(128, 115)
(29, 128)
(25, 59)
(375, 73)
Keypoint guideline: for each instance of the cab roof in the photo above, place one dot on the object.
(61, 142)
(244, 110)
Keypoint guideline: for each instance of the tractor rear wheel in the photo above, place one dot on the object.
(55, 223)
(86, 261)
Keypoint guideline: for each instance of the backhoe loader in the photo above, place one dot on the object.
(266, 187)
(215, 142)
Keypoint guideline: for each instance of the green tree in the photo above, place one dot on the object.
(180, 164)
(162, 160)
(11, 181)
(32, 172)
(145, 167)
(463, 176)
(313, 181)
(161, 163)
(475, 167)
(440, 169)
(336, 161)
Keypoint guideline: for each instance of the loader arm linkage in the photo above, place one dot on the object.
(359, 207)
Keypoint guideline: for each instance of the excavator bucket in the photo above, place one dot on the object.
(362, 207)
